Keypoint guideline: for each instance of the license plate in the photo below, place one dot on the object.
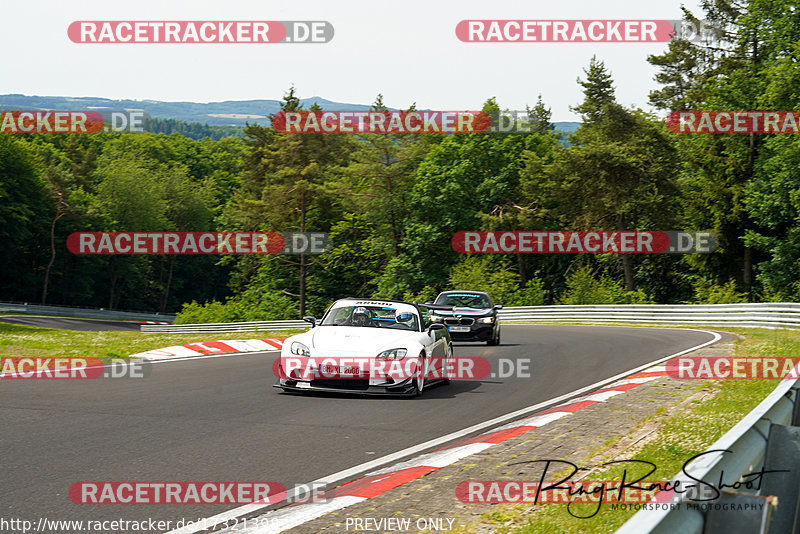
(458, 328)
(345, 370)
(304, 385)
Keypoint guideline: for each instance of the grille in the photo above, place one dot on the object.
(459, 321)
(341, 384)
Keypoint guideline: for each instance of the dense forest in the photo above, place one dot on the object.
(391, 203)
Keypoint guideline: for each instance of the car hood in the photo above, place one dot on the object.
(357, 341)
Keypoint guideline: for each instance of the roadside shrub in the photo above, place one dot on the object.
(707, 293)
(584, 288)
(251, 306)
(477, 273)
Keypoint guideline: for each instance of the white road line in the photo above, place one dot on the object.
(436, 459)
(331, 480)
(535, 421)
(596, 397)
(640, 380)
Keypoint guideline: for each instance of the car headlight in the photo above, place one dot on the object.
(437, 318)
(299, 349)
(392, 354)
(486, 320)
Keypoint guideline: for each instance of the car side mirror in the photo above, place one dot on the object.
(311, 319)
(435, 326)
(498, 306)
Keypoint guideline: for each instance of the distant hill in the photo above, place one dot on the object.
(228, 113)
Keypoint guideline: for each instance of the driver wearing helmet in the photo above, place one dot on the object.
(404, 318)
(360, 317)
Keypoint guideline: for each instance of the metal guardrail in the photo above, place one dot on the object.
(767, 438)
(87, 313)
(762, 315)
(759, 315)
(223, 327)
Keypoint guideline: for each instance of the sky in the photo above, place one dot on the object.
(407, 51)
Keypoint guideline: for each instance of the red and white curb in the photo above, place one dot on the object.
(382, 480)
(229, 346)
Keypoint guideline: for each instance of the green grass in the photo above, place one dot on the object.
(680, 437)
(31, 341)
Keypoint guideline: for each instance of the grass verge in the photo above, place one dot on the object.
(679, 437)
(32, 341)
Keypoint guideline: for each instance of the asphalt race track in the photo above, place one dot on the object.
(220, 419)
(66, 323)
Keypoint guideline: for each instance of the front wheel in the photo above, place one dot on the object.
(418, 383)
(495, 339)
(447, 361)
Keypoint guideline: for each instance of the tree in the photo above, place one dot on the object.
(23, 219)
(618, 174)
(540, 116)
(286, 187)
(598, 92)
(750, 64)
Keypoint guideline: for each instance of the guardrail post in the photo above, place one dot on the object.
(783, 453)
(794, 392)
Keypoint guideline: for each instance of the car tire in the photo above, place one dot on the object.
(495, 339)
(444, 370)
(418, 384)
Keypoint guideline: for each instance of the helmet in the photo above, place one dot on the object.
(360, 317)
(403, 317)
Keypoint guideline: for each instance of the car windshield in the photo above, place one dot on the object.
(464, 300)
(371, 317)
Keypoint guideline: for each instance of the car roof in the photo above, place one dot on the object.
(377, 301)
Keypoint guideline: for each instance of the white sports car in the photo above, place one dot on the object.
(370, 347)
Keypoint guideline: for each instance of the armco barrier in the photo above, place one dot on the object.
(767, 438)
(85, 313)
(224, 327)
(760, 315)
